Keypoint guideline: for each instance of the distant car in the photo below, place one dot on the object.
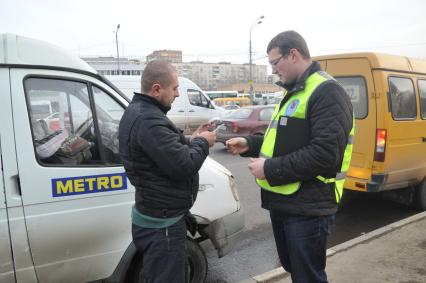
(245, 121)
(231, 107)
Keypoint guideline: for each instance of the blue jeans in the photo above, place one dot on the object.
(164, 252)
(301, 244)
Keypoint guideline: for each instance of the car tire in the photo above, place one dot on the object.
(196, 268)
(420, 196)
(197, 262)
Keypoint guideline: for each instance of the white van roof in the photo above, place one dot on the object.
(19, 50)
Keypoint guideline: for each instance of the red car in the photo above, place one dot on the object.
(245, 121)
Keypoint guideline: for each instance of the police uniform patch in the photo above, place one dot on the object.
(291, 108)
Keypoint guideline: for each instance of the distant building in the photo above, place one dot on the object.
(171, 56)
(213, 76)
(109, 65)
(209, 76)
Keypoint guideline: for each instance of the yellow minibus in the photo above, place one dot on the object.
(388, 94)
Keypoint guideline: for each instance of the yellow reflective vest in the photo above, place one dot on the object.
(294, 109)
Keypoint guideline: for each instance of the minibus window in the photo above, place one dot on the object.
(356, 89)
(402, 97)
(422, 90)
(64, 137)
(108, 113)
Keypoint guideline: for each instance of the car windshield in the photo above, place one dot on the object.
(242, 113)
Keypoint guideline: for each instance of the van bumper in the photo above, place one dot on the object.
(377, 182)
(225, 232)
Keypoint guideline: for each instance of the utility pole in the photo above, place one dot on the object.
(255, 23)
(116, 43)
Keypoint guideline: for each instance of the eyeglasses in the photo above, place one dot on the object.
(276, 61)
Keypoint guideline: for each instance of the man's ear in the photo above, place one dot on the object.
(155, 89)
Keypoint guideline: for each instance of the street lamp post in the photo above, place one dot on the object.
(116, 43)
(255, 23)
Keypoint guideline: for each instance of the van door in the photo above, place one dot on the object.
(200, 109)
(404, 161)
(76, 198)
(356, 77)
(178, 112)
(7, 273)
(13, 235)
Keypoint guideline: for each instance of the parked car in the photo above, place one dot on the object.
(245, 121)
(230, 107)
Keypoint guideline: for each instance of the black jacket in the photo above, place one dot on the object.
(329, 113)
(159, 161)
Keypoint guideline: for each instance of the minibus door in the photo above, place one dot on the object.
(7, 273)
(15, 253)
(356, 77)
(75, 195)
(200, 110)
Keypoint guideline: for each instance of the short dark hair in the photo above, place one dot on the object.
(157, 72)
(288, 40)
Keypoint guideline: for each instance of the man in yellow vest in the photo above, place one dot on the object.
(303, 157)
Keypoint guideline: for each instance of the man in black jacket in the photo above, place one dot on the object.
(304, 153)
(163, 166)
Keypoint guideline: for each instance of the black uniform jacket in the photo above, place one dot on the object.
(159, 161)
(329, 116)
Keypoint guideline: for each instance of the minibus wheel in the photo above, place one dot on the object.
(196, 268)
(420, 195)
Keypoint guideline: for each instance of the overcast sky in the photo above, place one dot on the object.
(218, 30)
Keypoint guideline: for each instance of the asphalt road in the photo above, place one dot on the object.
(255, 253)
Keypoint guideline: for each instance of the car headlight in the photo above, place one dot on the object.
(234, 188)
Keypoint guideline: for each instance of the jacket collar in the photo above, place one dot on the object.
(142, 97)
(300, 84)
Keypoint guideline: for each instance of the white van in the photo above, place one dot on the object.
(65, 201)
(191, 109)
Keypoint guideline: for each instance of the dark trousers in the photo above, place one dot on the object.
(164, 252)
(301, 244)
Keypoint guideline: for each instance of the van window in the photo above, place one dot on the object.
(422, 91)
(108, 113)
(356, 88)
(402, 97)
(70, 136)
(196, 98)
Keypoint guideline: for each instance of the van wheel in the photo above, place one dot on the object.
(196, 268)
(197, 262)
(420, 196)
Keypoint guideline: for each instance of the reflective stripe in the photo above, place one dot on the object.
(351, 139)
(264, 155)
(273, 124)
(341, 175)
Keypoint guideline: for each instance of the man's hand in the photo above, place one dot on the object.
(256, 167)
(200, 129)
(237, 145)
(209, 136)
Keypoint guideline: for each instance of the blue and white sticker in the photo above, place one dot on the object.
(70, 186)
(291, 108)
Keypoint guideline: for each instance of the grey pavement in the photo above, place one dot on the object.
(394, 253)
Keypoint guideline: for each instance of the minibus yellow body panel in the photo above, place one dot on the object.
(384, 91)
